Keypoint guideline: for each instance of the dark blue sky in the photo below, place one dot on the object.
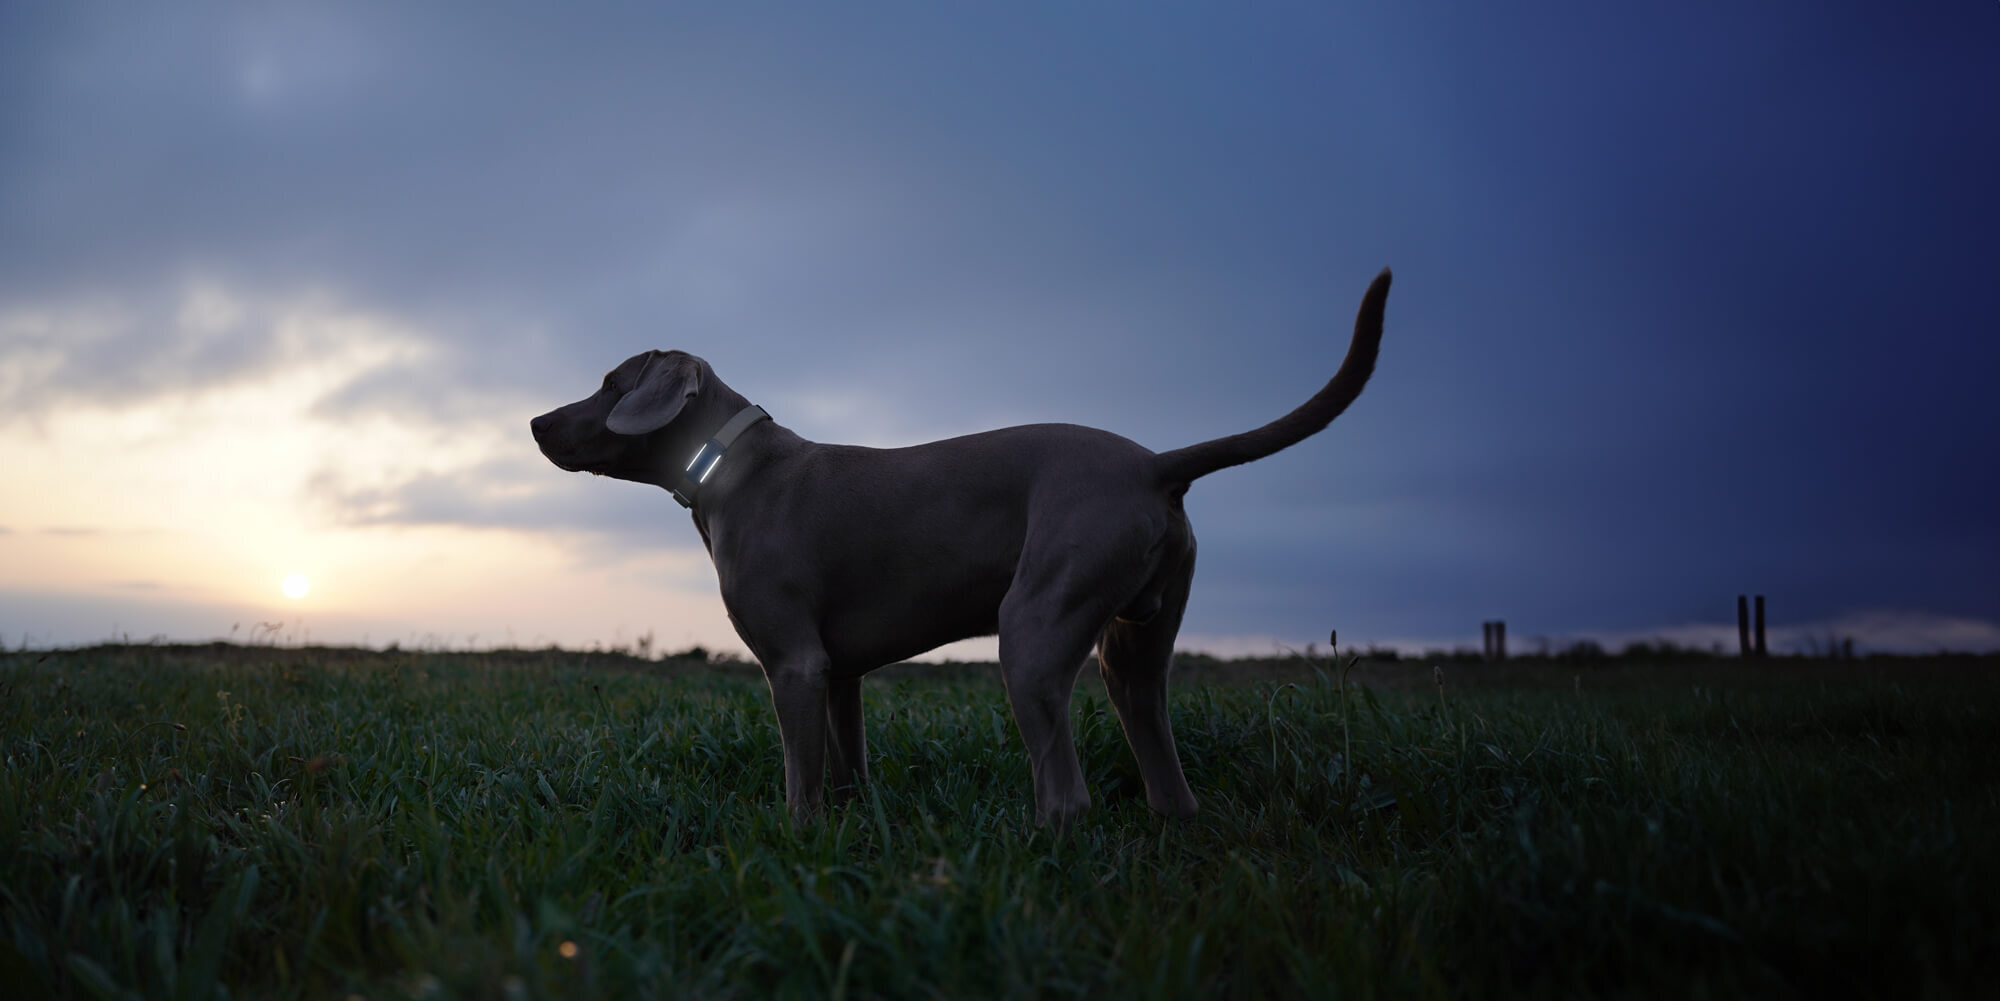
(1691, 299)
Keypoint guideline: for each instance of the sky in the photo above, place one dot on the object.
(1691, 301)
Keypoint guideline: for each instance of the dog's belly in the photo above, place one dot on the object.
(910, 607)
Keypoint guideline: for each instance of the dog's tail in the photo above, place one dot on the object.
(1185, 465)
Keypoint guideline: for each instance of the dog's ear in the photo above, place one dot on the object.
(667, 383)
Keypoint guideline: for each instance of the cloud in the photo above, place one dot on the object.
(501, 493)
(186, 342)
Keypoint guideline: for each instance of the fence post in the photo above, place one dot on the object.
(1743, 624)
(1760, 627)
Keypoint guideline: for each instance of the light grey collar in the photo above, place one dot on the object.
(702, 465)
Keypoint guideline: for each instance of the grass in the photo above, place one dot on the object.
(194, 822)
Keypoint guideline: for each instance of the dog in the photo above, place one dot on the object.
(835, 560)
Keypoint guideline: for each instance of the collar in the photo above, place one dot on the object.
(702, 464)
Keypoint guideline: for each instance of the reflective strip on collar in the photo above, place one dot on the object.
(702, 464)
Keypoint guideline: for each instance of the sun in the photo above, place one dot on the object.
(295, 585)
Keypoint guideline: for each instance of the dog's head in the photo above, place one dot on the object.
(616, 431)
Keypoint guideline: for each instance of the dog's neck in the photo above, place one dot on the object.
(686, 481)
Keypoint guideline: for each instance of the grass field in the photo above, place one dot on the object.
(181, 821)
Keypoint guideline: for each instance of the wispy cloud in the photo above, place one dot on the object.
(522, 494)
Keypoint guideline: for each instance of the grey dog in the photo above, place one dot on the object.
(835, 560)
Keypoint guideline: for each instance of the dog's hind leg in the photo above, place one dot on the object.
(1133, 658)
(1042, 649)
(846, 744)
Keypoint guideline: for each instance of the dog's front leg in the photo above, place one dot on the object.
(798, 691)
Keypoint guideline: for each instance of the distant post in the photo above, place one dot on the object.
(1743, 627)
(1743, 624)
(1494, 634)
(1760, 626)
